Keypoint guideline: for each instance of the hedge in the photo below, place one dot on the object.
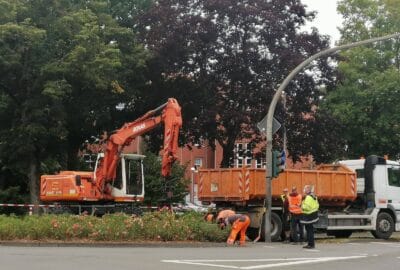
(155, 226)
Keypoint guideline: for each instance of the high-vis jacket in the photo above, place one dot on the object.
(310, 208)
(295, 203)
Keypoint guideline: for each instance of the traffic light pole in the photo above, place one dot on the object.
(268, 191)
(270, 115)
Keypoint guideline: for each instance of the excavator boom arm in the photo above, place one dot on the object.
(172, 119)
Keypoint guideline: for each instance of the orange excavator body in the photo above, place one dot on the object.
(98, 185)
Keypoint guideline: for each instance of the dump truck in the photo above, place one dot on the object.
(354, 195)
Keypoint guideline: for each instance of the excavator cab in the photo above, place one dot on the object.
(129, 182)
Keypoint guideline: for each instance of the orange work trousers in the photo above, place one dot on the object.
(239, 226)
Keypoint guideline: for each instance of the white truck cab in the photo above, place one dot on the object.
(378, 194)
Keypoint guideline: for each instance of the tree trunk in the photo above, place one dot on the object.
(33, 182)
(227, 149)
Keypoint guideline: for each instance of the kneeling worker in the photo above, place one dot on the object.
(239, 223)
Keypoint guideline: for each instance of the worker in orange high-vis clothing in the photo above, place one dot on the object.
(239, 223)
(296, 228)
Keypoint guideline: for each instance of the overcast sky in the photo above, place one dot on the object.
(327, 19)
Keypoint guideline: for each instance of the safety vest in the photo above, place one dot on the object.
(310, 205)
(295, 204)
(283, 197)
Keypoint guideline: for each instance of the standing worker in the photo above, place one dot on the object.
(296, 228)
(239, 223)
(310, 208)
(285, 216)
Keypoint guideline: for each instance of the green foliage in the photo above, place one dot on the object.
(11, 194)
(7, 12)
(366, 100)
(156, 186)
(156, 226)
(64, 66)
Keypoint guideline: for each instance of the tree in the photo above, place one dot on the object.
(156, 186)
(65, 66)
(366, 100)
(224, 59)
(25, 127)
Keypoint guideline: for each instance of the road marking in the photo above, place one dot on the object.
(203, 264)
(311, 260)
(273, 262)
(387, 244)
(247, 260)
(268, 247)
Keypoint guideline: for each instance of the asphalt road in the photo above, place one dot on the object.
(356, 253)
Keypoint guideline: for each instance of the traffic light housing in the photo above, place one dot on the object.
(278, 162)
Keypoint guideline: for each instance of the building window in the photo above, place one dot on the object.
(198, 162)
(260, 163)
(248, 162)
(243, 153)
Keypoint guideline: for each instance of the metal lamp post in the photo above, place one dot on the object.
(271, 110)
(193, 170)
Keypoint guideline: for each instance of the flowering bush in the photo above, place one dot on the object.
(156, 226)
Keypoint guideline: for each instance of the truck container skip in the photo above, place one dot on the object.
(354, 195)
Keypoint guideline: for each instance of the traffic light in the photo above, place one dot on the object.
(278, 162)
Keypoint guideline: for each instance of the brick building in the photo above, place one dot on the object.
(203, 156)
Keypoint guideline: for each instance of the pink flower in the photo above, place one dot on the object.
(76, 227)
(54, 223)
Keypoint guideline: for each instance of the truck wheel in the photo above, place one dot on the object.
(340, 233)
(384, 226)
(276, 229)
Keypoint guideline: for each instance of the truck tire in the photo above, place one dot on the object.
(340, 233)
(276, 229)
(384, 226)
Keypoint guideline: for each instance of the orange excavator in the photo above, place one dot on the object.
(117, 177)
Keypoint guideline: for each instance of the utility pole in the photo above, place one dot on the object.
(270, 115)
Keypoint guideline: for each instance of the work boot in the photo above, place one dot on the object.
(308, 247)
